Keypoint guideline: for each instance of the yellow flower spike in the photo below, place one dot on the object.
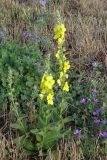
(59, 31)
(50, 99)
(66, 87)
(47, 83)
(66, 66)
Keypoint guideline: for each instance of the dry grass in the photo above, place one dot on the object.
(87, 29)
(85, 21)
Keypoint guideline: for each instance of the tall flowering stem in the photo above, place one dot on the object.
(64, 65)
(47, 81)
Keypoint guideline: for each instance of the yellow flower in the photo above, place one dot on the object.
(60, 41)
(59, 82)
(47, 83)
(50, 81)
(58, 54)
(59, 31)
(50, 99)
(66, 87)
(66, 75)
(56, 28)
(59, 28)
(56, 36)
(63, 27)
(41, 96)
(66, 66)
(61, 74)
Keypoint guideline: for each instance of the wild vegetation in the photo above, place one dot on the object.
(53, 82)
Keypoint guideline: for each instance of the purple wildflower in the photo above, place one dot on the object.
(83, 100)
(94, 113)
(43, 2)
(95, 100)
(77, 132)
(41, 71)
(26, 34)
(94, 64)
(37, 64)
(1, 33)
(97, 112)
(103, 134)
(95, 91)
(34, 38)
(97, 121)
(104, 121)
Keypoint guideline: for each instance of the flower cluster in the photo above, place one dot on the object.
(63, 68)
(83, 100)
(95, 91)
(100, 121)
(64, 64)
(77, 132)
(46, 86)
(95, 100)
(43, 2)
(2, 34)
(94, 64)
(97, 121)
(59, 31)
(26, 34)
(97, 112)
(103, 134)
(47, 81)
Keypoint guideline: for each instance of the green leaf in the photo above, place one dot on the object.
(34, 131)
(29, 145)
(20, 140)
(67, 119)
(41, 122)
(17, 126)
(51, 138)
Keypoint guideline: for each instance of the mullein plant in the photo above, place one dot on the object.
(48, 126)
(53, 121)
(47, 81)
(52, 118)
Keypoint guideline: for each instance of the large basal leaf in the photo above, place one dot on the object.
(17, 126)
(51, 138)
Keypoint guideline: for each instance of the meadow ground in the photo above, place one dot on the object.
(53, 80)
